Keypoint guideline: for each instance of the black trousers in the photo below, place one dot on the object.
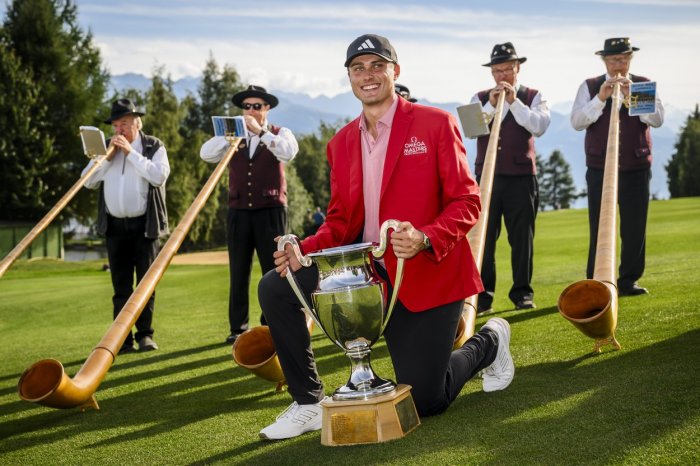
(515, 199)
(129, 251)
(250, 231)
(420, 345)
(633, 201)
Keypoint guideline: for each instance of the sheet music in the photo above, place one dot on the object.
(472, 118)
(93, 141)
(230, 126)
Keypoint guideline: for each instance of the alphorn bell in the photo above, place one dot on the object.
(591, 305)
(477, 235)
(254, 350)
(48, 218)
(46, 382)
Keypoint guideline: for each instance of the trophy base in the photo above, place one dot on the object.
(375, 420)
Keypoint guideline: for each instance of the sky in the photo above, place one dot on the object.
(300, 46)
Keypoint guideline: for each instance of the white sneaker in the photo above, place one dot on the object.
(295, 420)
(501, 372)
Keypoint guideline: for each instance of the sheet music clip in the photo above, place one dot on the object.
(93, 141)
(474, 120)
(230, 127)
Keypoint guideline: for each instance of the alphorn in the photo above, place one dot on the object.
(591, 305)
(477, 235)
(254, 350)
(48, 218)
(46, 381)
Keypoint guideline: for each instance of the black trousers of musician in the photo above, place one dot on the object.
(250, 231)
(633, 201)
(515, 199)
(129, 252)
(420, 345)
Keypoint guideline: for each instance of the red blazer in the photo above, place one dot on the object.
(427, 182)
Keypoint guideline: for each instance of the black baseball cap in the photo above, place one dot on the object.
(371, 43)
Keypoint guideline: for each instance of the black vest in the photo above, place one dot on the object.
(516, 145)
(635, 137)
(156, 212)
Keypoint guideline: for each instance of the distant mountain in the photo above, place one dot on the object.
(302, 114)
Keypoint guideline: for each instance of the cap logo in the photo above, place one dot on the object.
(367, 44)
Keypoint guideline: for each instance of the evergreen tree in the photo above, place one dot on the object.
(557, 189)
(25, 145)
(70, 83)
(312, 165)
(683, 170)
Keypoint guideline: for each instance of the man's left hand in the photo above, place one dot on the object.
(407, 241)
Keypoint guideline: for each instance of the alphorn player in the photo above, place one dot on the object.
(397, 160)
(591, 111)
(515, 192)
(257, 200)
(131, 211)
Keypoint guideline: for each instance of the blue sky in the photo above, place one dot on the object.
(300, 45)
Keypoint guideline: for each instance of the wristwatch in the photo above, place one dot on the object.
(426, 241)
(262, 133)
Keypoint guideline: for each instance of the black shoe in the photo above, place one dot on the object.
(484, 310)
(231, 339)
(127, 349)
(147, 344)
(525, 303)
(634, 290)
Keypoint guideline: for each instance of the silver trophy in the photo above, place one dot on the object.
(350, 305)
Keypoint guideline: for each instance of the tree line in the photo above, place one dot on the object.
(52, 81)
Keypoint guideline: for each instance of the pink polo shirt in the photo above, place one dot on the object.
(373, 157)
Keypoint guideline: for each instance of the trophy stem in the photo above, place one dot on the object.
(363, 382)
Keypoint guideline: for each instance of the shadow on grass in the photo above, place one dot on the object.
(523, 316)
(595, 409)
(170, 406)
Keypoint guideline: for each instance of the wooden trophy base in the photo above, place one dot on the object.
(379, 419)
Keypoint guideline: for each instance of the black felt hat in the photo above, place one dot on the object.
(616, 46)
(371, 43)
(121, 108)
(255, 91)
(502, 53)
(404, 92)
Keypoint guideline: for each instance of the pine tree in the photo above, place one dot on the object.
(66, 70)
(683, 170)
(557, 188)
(25, 150)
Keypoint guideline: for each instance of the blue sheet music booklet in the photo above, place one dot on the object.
(642, 98)
(230, 126)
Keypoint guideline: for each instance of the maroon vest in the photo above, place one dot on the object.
(635, 137)
(516, 145)
(258, 182)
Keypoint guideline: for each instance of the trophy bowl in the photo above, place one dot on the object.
(350, 305)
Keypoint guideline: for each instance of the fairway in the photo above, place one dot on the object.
(189, 404)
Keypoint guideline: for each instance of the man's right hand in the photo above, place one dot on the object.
(285, 259)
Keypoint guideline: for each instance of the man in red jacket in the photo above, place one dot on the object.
(397, 160)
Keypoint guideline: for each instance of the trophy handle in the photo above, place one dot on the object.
(378, 253)
(292, 279)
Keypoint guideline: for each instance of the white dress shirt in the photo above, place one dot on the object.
(534, 118)
(126, 179)
(283, 146)
(587, 110)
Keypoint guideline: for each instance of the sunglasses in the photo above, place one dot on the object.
(256, 106)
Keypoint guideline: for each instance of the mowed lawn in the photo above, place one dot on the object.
(188, 403)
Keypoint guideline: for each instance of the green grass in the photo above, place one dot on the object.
(189, 404)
